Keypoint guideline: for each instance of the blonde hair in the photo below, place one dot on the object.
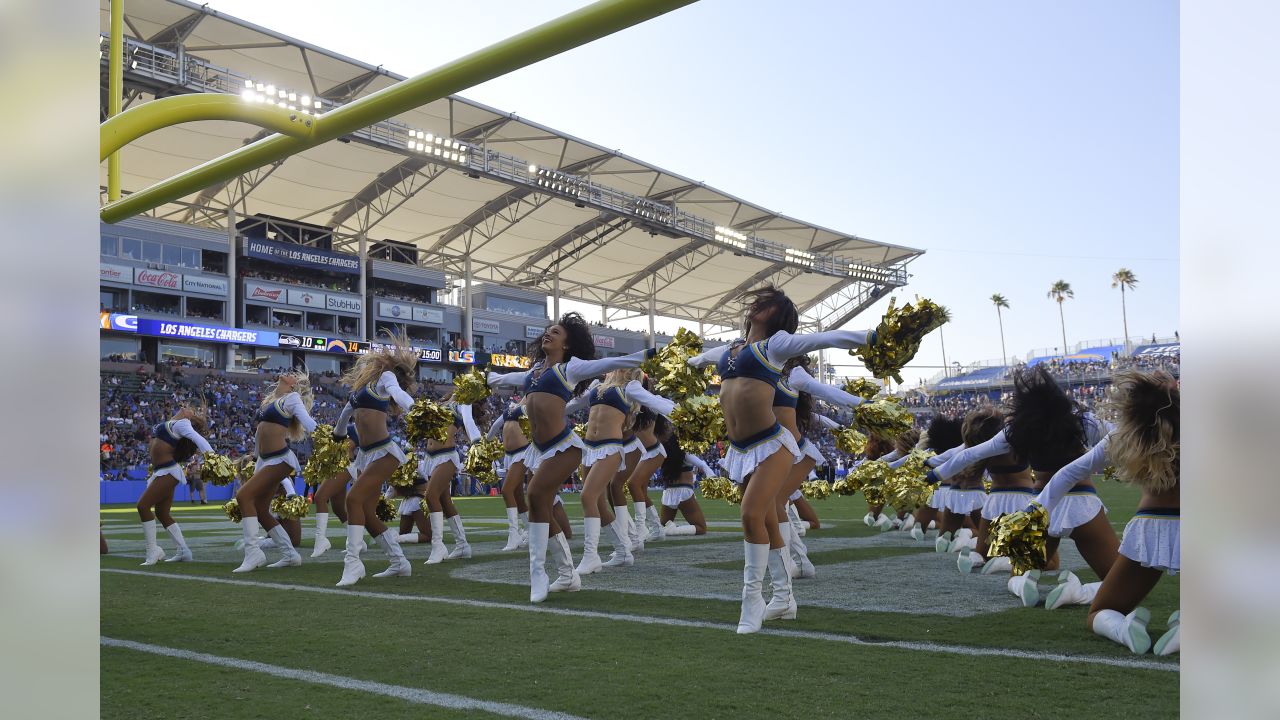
(1145, 446)
(302, 386)
(619, 379)
(396, 356)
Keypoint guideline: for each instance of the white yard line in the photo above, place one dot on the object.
(413, 695)
(966, 650)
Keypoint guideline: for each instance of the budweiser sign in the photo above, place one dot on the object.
(157, 278)
(265, 294)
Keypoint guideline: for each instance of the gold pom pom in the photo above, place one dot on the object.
(816, 489)
(672, 375)
(291, 507)
(850, 441)
(715, 488)
(1110, 473)
(734, 495)
(698, 423)
(387, 510)
(862, 387)
(898, 337)
(1021, 536)
(471, 387)
(217, 469)
(526, 427)
(580, 430)
(407, 473)
(480, 459)
(232, 509)
(884, 418)
(428, 420)
(327, 456)
(244, 468)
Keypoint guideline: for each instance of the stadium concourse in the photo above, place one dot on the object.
(442, 241)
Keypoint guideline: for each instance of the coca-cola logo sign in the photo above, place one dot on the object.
(157, 278)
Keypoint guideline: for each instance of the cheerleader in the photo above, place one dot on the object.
(283, 417)
(173, 443)
(514, 444)
(648, 425)
(410, 512)
(760, 448)
(439, 468)
(631, 542)
(1049, 430)
(793, 410)
(378, 381)
(563, 363)
(1012, 484)
(678, 493)
(1145, 449)
(944, 438)
(334, 491)
(614, 404)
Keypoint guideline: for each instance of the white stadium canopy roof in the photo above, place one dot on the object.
(604, 228)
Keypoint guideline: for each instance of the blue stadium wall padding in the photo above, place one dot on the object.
(128, 491)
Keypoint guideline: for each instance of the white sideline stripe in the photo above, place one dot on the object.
(967, 650)
(414, 695)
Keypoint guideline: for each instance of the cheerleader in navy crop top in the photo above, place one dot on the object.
(794, 412)
(507, 427)
(438, 468)
(284, 416)
(173, 443)
(333, 491)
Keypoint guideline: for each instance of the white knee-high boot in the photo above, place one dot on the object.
(411, 538)
(567, 579)
(184, 553)
(513, 530)
(253, 556)
(655, 523)
(352, 567)
(639, 533)
(800, 552)
(1026, 588)
(782, 606)
(438, 551)
(154, 553)
(1128, 630)
(756, 557)
(672, 530)
(389, 541)
(621, 556)
(784, 529)
(538, 580)
(1070, 591)
(590, 546)
(321, 542)
(461, 548)
(290, 557)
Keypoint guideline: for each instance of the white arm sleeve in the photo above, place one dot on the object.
(577, 370)
(827, 422)
(389, 385)
(344, 417)
(699, 464)
(783, 345)
(708, 357)
(895, 464)
(495, 430)
(1095, 429)
(293, 403)
(515, 379)
(804, 382)
(656, 403)
(469, 423)
(1082, 468)
(944, 456)
(184, 429)
(890, 457)
(997, 445)
(287, 484)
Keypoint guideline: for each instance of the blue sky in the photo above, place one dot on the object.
(1017, 142)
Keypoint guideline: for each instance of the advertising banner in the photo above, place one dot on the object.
(306, 298)
(533, 332)
(344, 304)
(115, 273)
(603, 341)
(464, 357)
(428, 315)
(301, 255)
(510, 361)
(157, 278)
(207, 333)
(255, 291)
(394, 311)
(206, 285)
(118, 322)
(485, 326)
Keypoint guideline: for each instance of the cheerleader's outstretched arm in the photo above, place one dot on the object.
(1079, 470)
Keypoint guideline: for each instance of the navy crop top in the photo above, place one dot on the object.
(549, 380)
(163, 433)
(513, 414)
(612, 397)
(274, 413)
(368, 398)
(751, 361)
(784, 395)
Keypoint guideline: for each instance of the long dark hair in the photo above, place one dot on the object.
(784, 315)
(673, 465)
(1044, 426)
(581, 344)
(944, 433)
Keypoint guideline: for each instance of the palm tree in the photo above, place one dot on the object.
(1001, 302)
(1060, 292)
(1124, 279)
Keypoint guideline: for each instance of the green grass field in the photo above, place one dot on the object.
(887, 629)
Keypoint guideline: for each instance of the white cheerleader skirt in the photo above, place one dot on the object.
(649, 453)
(279, 457)
(1153, 539)
(370, 454)
(433, 460)
(515, 456)
(963, 502)
(410, 505)
(795, 496)
(536, 454)
(744, 457)
(633, 446)
(353, 469)
(596, 450)
(673, 495)
(938, 501)
(1001, 501)
(173, 470)
(1077, 508)
(809, 450)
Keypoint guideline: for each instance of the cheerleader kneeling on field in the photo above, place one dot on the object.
(173, 443)
(284, 417)
(333, 492)
(1145, 449)
(1011, 485)
(678, 493)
